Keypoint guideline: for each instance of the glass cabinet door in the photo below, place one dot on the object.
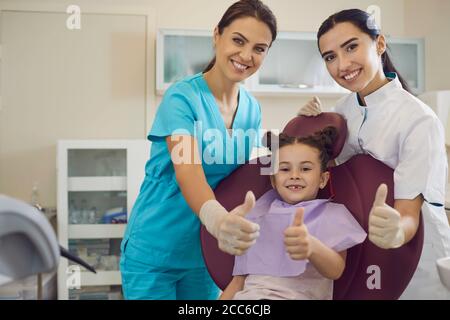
(186, 55)
(294, 63)
(97, 207)
(97, 162)
(97, 186)
(96, 293)
(101, 254)
(180, 54)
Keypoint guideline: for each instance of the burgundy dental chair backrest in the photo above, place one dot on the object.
(371, 272)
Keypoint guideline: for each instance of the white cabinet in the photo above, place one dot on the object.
(98, 182)
(292, 67)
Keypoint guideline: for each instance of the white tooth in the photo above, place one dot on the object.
(239, 66)
(351, 75)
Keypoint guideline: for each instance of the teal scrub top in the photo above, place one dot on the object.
(163, 230)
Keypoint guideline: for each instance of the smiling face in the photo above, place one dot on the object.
(353, 58)
(299, 176)
(241, 48)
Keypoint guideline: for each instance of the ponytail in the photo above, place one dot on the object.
(210, 65)
(388, 67)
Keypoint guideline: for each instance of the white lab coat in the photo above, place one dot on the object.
(405, 134)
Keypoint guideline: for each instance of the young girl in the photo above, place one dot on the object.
(387, 122)
(303, 240)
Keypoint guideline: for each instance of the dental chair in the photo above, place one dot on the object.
(371, 272)
(28, 244)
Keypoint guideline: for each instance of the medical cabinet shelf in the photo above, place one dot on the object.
(96, 231)
(101, 278)
(97, 184)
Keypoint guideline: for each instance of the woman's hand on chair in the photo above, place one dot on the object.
(385, 225)
(297, 239)
(312, 108)
(234, 233)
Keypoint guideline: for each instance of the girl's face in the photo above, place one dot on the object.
(241, 48)
(352, 58)
(299, 176)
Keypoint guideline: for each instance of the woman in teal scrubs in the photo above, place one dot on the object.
(203, 130)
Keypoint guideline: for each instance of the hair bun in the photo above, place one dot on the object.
(327, 138)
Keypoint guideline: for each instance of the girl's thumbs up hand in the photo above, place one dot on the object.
(297, 239)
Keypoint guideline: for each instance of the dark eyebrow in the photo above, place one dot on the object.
(303, 162)
(242, 36)
(342, 45)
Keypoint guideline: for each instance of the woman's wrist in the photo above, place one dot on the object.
(209, 214)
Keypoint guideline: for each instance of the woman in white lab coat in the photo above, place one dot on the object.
(387, 122)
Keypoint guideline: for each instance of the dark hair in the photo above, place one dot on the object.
(366, 23)
(322, 140)
(242, 9)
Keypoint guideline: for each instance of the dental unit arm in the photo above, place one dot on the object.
(28, 243)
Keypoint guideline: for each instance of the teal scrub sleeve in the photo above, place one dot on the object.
(175, 115)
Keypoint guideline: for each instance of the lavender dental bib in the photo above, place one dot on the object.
(329, 222)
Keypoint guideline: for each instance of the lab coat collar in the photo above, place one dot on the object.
(383, 93)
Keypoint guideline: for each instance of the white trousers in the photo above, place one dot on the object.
(425, 283)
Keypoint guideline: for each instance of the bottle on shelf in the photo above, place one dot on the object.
(74, 213)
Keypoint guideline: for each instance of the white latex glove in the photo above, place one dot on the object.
(385, 229)
(234, 233)
(297, 239)
(312, 108)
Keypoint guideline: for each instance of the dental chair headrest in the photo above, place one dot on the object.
(304, 126)
(28, 244)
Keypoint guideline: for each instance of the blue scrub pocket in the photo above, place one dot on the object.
(123, 245)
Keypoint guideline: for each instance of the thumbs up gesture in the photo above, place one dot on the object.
(297, 239)
(385, 229)
(234, 233)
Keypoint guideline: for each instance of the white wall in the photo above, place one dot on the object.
(18, 170)
(431, 19)
(63, 84)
